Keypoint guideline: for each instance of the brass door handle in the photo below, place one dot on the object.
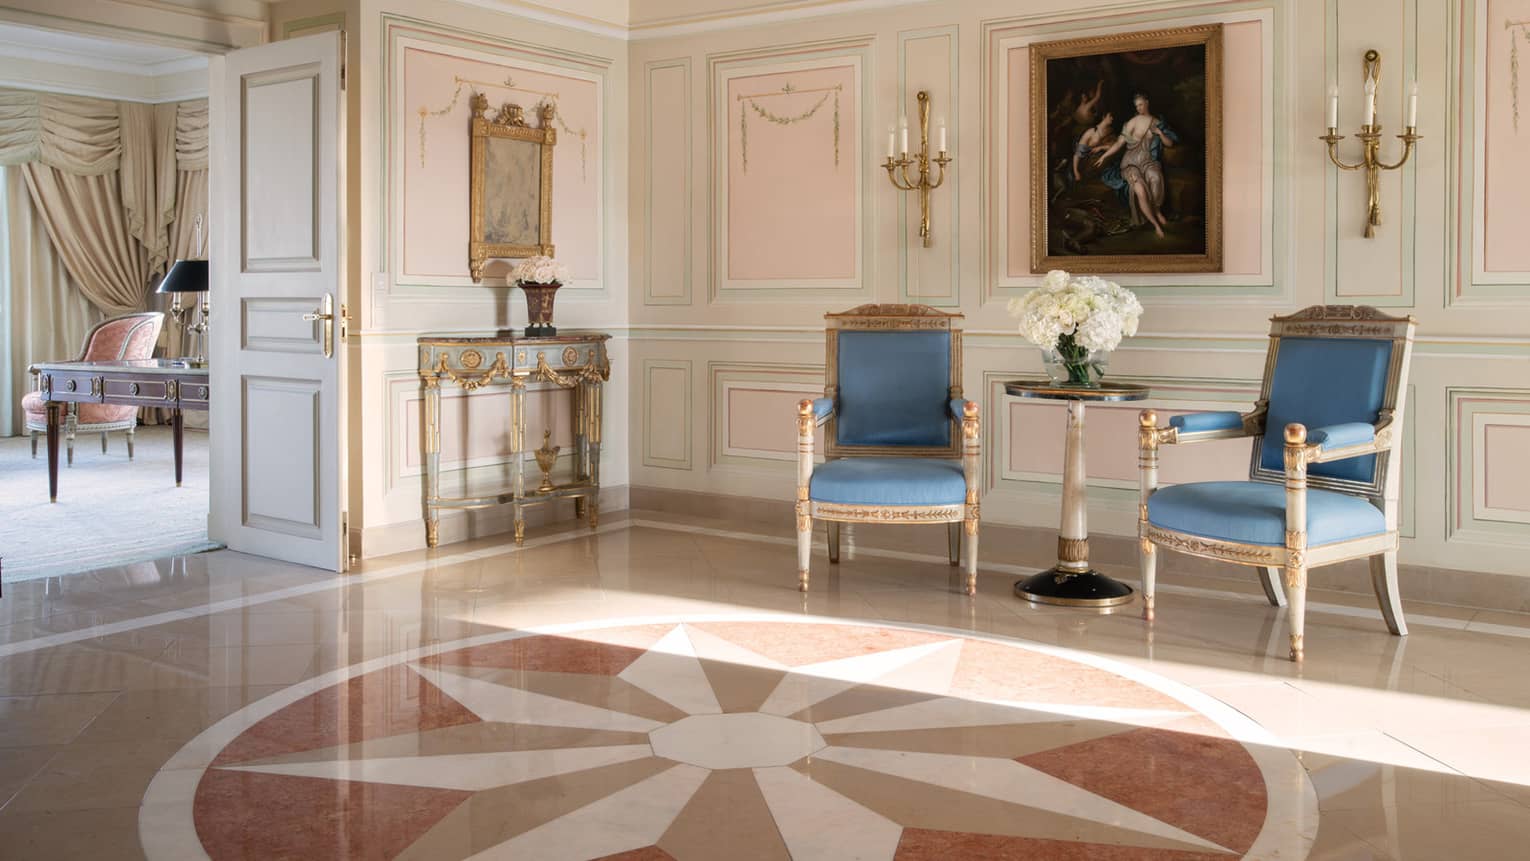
(326, 313)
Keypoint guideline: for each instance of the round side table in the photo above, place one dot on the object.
(1071, 582)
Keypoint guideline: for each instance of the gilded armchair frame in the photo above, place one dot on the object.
(1295, 559)
(965, 443)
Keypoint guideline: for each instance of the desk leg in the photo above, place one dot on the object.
(177, 432)
(1071, 582)
(54, 408)
(594, 464)
(432, 462)
(517, 451)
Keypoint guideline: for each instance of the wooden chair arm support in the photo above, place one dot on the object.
(1253, 425)
(1382, 442)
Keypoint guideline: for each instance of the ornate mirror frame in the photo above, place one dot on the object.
(509, 123)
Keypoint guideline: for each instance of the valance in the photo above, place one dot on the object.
(75, 134)
(191, 135)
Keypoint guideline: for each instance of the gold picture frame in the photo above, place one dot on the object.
(1070, 207)
(511, 184)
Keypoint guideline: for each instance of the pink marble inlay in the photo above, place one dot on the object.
(554, 654)
(794, 645)
(918, 844)
(992, 671)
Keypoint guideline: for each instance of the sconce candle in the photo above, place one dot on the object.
(1413, 106)
(905, 135)
(1333, 107)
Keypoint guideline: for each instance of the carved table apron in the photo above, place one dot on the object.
(572, 360)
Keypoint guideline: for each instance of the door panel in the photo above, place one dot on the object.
(277, 428)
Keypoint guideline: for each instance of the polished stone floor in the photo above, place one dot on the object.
(659, 689)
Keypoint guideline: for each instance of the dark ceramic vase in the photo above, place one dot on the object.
(539, 307)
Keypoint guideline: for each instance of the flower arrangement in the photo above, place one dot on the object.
(1076, 321)
(540, 270)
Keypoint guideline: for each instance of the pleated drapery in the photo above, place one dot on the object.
(76, 134)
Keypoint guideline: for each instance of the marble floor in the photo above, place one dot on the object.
(659, 689)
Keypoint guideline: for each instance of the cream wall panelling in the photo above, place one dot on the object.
(1472, 283)
(216, 30)
(927, 60)
(1474, 465)
(778, 385)
(667, 413)
(855, 156)
(403, 126)
(1001, 37)
(668, 182)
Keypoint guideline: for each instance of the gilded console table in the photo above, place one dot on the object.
(572, 360)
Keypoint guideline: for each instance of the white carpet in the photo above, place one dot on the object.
(110, 511)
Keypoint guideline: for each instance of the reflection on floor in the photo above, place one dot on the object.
(660, 690)
(110, 510)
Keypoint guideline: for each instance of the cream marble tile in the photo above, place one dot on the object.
(89, 776)
(101, 833)
(48, 719)
(1478, 829)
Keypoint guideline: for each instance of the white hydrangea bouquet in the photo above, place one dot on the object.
(540, 270)
(1076, 321)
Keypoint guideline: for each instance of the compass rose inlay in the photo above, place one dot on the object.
(749, 737)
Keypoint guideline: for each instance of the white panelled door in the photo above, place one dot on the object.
(278, 268)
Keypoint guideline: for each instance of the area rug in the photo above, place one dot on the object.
(111, 511)
(736, 736)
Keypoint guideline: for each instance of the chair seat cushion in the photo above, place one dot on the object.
(889, 481)
(1252, 512)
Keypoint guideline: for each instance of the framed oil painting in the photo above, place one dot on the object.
(510, 185)
(1126, 152)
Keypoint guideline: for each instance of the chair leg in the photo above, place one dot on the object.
(972, 551)
(1269, 578)
(1147, 562)
(954, 543)
(103, 442)
(34, 445)
(1296, 593)
(1384, 581)
(130, 432)
(833, 528)
(804, 549)
(69, 439)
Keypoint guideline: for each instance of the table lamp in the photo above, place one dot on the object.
(189, 276)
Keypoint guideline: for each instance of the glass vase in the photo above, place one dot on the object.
(1075, 366)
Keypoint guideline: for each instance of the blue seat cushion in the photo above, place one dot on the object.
(1253, 512)
(889, 481)
(893, 388)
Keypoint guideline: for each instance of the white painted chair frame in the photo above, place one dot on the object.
(1295, 559)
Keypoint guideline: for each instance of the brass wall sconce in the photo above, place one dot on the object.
(901, 180)
(1370, 137)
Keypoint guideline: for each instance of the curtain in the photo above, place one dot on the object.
(46, 315)
(72, 133)
(186, 158)
(88, 226)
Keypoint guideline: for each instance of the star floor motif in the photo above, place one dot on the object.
(688, 739)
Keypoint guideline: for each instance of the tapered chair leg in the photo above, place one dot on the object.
(130, 442)
(972, 551)
(1296, 593)
(804, 549)
(833, 529)
(34, 445)
(1269, 578)
(103, 442)
(1384, 581)
(69, 441)
(1147, 560)
(954, 543)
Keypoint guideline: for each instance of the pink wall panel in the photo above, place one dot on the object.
(1110, 439)
(475, 427)
(765, 420)
(1507, 450)
(435, 163)
(792, 209)
(1506, 181)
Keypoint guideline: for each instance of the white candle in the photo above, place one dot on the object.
(942, 134)
(1333, 107)
(1370, 101)
(890, 141)
(1413, 106)
(904, 123)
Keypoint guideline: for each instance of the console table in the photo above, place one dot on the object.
(172, 384)
(572, 360)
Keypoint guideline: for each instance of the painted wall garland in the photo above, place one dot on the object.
(750, 102)
(1515, 28)
(509, 84)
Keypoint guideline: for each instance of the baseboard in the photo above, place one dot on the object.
(1038, 545)
(458, 525)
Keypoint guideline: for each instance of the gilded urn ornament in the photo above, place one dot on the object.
(547, 455)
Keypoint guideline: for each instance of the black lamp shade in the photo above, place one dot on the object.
(186, 276)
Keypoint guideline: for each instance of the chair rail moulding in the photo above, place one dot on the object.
(433, 74)
(1256, 202)
(787, 124)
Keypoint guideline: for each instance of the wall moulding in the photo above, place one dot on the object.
(786, 123)
(667, 413)
(1258, 213)
(432, 70)
(752, 411)
(668, 178)
(1486, 428)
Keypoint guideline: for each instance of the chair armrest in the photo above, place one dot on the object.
(956, 408)
(1342, 441)
(1203, 427)
(1214, 421)
(823, 408)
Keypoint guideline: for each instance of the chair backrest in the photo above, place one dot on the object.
(1332, 364)
(131, 336)
(892, 370)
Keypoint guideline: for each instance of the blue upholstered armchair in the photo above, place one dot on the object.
(1324, 476)
(902, 443)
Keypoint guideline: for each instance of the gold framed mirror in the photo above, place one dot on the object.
(511, 184)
